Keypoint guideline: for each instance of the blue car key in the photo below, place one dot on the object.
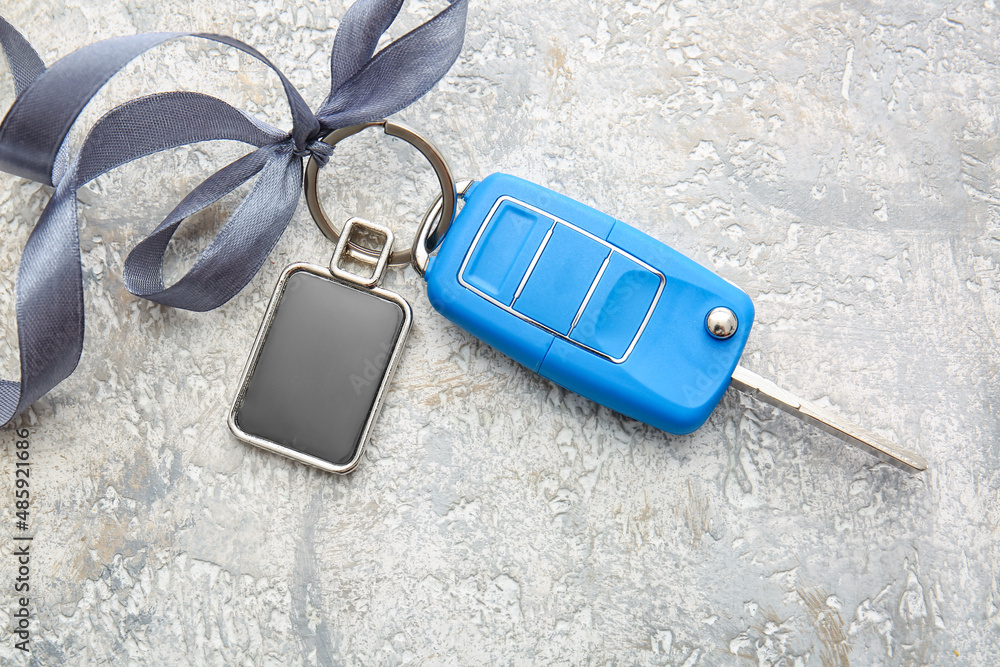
(589, 302)
(606, 311)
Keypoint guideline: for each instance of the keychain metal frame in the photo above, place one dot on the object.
(350, 280)
(448, 196)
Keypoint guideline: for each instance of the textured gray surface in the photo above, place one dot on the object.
(837, 160)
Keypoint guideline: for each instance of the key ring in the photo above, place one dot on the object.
(421, 249)
(448, 195)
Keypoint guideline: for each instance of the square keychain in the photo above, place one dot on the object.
(326, 351)
(330, 340)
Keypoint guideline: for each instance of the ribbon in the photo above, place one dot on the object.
(364, 86)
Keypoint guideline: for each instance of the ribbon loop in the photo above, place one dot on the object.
(235, 255)
(24, 63)
(37, 124)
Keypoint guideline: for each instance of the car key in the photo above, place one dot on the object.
(605, 311)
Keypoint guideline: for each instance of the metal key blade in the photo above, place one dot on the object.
(754, 385)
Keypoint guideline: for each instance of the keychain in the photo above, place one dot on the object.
(325, 353)
(364, 84)
(331, 338)
(570, 293)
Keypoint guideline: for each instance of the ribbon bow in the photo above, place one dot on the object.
(364, 86)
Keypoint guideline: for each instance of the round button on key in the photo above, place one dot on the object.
(721, 323)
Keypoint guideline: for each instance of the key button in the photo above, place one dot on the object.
(560, 279)
(618, 307)
(511, 238)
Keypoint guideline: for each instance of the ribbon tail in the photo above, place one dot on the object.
(49, 306)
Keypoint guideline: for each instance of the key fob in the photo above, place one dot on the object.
(590, 303)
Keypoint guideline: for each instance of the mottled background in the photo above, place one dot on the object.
(836, 160)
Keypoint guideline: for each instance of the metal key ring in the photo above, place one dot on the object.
(427, 149)
(421, 249)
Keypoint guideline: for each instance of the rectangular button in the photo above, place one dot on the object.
(617, 308)
(561, 278)
(505, 249)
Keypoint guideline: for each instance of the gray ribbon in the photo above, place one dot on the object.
(364, 86)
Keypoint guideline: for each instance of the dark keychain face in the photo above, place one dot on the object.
(321, 363)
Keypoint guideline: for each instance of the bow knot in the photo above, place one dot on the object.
(365, 86)
(318, 150)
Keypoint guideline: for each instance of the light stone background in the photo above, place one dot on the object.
(836, 160)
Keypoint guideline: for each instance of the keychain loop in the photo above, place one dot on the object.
(421, 249)
(441, 170)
